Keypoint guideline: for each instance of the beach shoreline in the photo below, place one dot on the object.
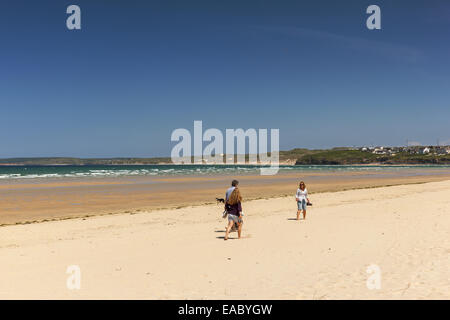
(27, 201)
(40, 200)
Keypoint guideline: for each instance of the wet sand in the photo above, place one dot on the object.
(40, 200)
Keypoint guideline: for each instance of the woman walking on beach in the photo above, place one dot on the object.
(302, 200)
(234, 210)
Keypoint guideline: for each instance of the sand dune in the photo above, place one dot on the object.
(179, 253)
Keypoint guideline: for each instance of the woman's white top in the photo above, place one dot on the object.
(301, 194)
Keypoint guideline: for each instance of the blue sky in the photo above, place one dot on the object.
(137, 70)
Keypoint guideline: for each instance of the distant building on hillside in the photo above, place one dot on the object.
(436, 150)
(379, 150)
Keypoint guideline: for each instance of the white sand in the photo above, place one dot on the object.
(176, 254)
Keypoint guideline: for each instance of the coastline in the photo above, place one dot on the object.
(281, 163)
(53, 199)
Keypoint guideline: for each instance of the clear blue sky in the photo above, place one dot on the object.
(139, 69)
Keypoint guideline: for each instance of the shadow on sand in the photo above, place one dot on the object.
(229, 238)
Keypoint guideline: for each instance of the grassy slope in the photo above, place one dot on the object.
(338, 157)
(346, 156)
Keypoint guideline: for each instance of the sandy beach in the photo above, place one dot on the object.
(41, 200)
(172, 253)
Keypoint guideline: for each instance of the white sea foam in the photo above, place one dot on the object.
(68, 172)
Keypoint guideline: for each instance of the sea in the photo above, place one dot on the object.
(59, 171)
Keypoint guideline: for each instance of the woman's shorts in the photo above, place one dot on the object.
(232, 217)
(301, 205)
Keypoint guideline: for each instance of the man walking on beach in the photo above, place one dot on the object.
(234, 184)
(233, 207)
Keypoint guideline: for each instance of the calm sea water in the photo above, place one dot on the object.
(32, 172)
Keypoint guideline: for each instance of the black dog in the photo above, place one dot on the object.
(219, 200)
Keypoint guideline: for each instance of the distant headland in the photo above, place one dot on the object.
(299, 156)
